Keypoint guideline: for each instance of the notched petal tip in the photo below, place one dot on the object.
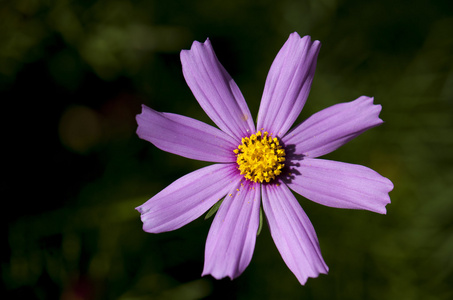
(197, 43)
(375, 109)
(369, 101)
(140, 209)
(314, 46)
(219, 276)
(296, 35)
(196, 46)
(388, 187)
(139, 117)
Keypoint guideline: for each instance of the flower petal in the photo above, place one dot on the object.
(288, 84)
(187, 198)
(340, 185)
(215, 90)
(185, 136)
(333, 127)
(231, 239)
(292, 232)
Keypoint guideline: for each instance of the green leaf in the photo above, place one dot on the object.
(213, 209)
(261, 222)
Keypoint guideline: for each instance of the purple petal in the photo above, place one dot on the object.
(292, 232)
(333, 127)
(185, 136)
(288, 84)
(231, 239)
(187, 198)
(341, 185)
(216, 91)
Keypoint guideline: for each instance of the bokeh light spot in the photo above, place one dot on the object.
(80, 129)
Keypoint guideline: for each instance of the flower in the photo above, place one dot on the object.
(259, 165)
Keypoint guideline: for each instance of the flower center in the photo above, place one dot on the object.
(260, 157)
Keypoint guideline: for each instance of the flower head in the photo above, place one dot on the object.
(260, 157)
(257, 168)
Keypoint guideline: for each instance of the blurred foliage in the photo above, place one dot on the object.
(74, 73)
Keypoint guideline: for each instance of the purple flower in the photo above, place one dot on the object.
(259, 165)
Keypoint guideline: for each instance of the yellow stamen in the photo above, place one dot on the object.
(260, 157)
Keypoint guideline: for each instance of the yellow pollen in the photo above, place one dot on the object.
(260, 157)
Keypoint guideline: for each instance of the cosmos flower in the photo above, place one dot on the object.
(255, 167)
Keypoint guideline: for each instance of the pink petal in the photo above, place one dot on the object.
(333, 127)
(216, 91)
(185, 136)
(288, 84)
(187, 198)
(340, 185)
(231, 239)
(292, 232)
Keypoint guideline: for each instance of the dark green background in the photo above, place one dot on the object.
(73, 75)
